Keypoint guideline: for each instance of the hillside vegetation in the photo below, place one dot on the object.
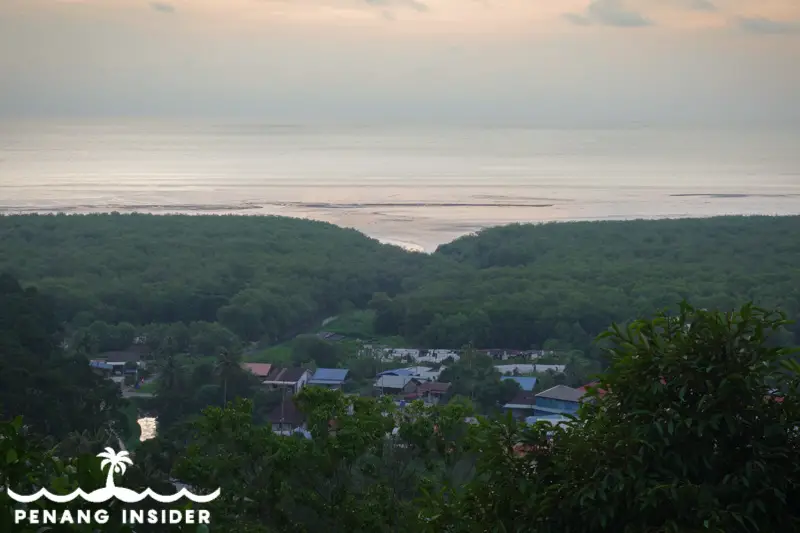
(213, 281)
(688, 438)
(562, 284)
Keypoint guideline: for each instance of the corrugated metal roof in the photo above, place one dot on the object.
(525, 383)
(285, 375)
(396, 372)
(329, 374)
(433, 387)
(258, 369)
(393, 382)
(562, 392)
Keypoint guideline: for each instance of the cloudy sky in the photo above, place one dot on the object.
(570, 62)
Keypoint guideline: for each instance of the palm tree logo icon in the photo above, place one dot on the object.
(117, 463)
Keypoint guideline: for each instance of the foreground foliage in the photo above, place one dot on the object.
(697, 431)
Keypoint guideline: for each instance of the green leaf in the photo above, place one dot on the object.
(11, 456)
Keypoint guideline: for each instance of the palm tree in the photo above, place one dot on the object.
(229, 364)
(116, 462)
(83, 442)
(170, 373)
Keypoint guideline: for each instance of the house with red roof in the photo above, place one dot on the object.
(260, 370)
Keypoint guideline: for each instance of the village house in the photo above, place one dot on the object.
(431, 393)
(331, 378)
(290, 379)
(260, 370)
(593, 385)
(101, 368)
(558, 400)
(522, 405)
(421, 373)
(528, 368)
(286, 418)
(136, 353)
(411, 354)
(394, 385)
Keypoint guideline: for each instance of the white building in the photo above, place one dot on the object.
(418, 356)
(530, 369)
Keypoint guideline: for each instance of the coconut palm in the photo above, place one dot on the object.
(170, 374)
(229, 364)
(116, 462)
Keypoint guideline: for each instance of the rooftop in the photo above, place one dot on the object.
(594, 384)
(563, 393)
(523, 400)
(329, 375)
(433, 387)
(122, 356)
(287, 375)
(101, 365)
(393, 382)
(259, 369)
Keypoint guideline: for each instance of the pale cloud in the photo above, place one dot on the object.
(162, 7)
(608, 13)
(387, 4)
(451, 61)
(702, 5)
(765, 26)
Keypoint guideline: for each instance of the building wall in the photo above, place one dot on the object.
(560, 405)
(411, 386)
(302, 382)
(521, 414)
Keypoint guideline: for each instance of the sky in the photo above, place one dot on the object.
(544, 62)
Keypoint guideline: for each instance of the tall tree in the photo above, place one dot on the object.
(228, 367)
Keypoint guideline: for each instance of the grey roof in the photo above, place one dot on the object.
(285, 375)
(393, 382)
(121, 356)
(563, 393)
(523, 400)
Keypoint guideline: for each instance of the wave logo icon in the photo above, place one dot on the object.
(117, 463)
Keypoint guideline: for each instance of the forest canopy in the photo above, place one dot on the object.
(238, 278)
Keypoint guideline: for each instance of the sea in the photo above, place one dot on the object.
(415, 187)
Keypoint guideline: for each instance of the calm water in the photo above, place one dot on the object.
(419, 187)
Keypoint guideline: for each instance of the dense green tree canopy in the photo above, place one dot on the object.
(209, 281)
(530, 285)
(259, 277)
(56, 392)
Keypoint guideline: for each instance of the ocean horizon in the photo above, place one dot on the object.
(412, 187)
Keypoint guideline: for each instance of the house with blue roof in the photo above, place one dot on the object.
(525, 383)
(332, 378)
